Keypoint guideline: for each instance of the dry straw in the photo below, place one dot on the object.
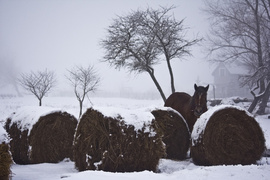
(174, 131)
(230, 137)
(50, 139)
(109, 144)
(5, 162)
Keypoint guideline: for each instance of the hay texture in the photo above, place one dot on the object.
(5, 156)
(175, 133)
(227, 135)
(41, 134)
(115, 142)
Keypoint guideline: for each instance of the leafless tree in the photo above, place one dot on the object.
(170, 34)
(38, 83)
(83, 80)
(239, 34)
(139, 40)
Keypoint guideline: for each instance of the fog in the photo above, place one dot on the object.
(59, 34)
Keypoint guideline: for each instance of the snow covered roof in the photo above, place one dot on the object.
(232, 69)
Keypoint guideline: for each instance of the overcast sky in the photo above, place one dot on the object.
(58, 34)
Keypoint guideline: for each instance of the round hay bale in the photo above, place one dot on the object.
(110, 144)
(5, 156)
(41, 135)
(5, 161)
(174, 131)
(227, 135)
(19, 144)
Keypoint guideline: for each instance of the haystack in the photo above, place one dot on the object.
(40, 135)
(227, 135)
(110, 143)
(5, 156)
(175, 133)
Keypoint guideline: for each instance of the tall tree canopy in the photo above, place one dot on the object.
(139, 40)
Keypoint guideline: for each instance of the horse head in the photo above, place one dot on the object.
(199, 100)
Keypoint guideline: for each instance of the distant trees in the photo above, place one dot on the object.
(38, 83)
(8, 74)
(240, 33)
(83, 80)
(138, 41)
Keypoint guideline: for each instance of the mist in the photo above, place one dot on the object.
(57, 35)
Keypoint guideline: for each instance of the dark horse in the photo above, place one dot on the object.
(189, 107)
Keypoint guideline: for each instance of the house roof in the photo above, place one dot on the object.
(232, 69)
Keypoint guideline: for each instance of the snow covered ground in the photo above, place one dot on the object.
(169, 169)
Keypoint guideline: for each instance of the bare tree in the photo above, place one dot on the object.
(139, 40)
(239, 34)
(128, 46)
(38, 83)
(170, 34)
(83, 80)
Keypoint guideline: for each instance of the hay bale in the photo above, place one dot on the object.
(5, 161)
(110, 143)
(227, 135)
(5, 156)
(175, 133)
(19, 144)
(40, 135)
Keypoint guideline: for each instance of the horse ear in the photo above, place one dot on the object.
(195, 87)
(207, 87)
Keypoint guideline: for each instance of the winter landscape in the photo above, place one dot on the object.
(125, 59)
(168, 169)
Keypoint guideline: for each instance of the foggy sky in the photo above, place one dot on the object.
(59, 34)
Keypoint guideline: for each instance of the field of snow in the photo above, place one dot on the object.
(168, 169)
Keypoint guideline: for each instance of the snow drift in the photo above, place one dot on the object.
(227, 135)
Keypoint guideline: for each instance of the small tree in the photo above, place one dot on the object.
(84, 80)
(38, 83)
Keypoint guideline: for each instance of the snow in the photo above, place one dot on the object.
(27, 116)
(169, 169)
(4, 138)
(137, 117)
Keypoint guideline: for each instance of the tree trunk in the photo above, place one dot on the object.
(263, 104)
(171, 75)
(40, 101)
(151, 73)
(253, 104)
(81, 104)
(264, 96)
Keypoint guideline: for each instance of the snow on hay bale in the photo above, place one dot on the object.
(40, 134)
(175, 133)
(117, 142)
(227, 135)
(5, 156)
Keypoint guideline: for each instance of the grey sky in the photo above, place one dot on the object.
(58, 34)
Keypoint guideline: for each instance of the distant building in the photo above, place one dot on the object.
(226, 82)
